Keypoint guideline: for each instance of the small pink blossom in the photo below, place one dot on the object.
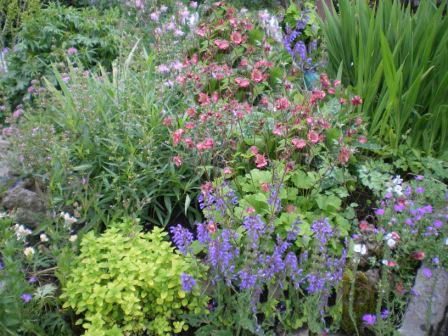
(236, 38)
(362, 139)
(344, 155)
(260, 161)
(177, 135)
(356, 100)
(242, 82)
(282, 104)
(298, 143)
(177, 160)
(257, 76)
(313, 137)
(222, 44)
(228, 170)
(253, 150)
(168, 121)
(265, 187)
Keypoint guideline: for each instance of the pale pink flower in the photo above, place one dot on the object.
(260, 161)
(298, 143)
(177, 160)
(313, 137)
(222, 44)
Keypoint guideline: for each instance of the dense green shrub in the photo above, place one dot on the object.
(13, 13)
(126, 281)
(397, 61)
(101, 143)
(52, 35)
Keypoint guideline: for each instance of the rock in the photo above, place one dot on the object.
(19, 197)
(29, 217)
(427, 311)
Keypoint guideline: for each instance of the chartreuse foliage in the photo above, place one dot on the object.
(396, 59)
(126, 281)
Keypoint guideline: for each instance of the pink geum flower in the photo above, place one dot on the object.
(257, 76)
(313, 137)
(227, 171)
(177, 135)
(253, 150)
(206, 144)
(362, 139)
(264, 187)
(250, 210)
(222, 44)
(278, 130)
(203, 99)
(260, 161)
(168, 121)
(242, 82)
(177, 160)
(298, 143)
(356, 100)
(236, 38)
(282, 104)
(344, 155)
(191, 112)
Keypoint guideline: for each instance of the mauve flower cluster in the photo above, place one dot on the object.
(412, 218)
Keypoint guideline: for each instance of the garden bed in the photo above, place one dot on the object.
(209, 169)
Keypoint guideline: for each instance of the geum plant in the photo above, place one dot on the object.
(259, 280)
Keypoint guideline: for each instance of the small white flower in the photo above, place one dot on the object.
(21, 232)
(397, 180)
(163, 9)
(446, 241)
(43, 237)
(398, 190)
(28, 251)
(385, 262)
(391, 243)
(68, 219)
(73, 238)
(360, 248)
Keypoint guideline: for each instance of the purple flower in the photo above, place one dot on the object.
(248, 280)
(322, 231)
(426, 272)
(399, 207)
(255, 227)
(420, 190)
(32, 280)
(26, 297)
(188, 282)
(384, 314)
(436, 260)
(379, 212)
(438, 223)
(182, 238)
(72, 51)
(1, 266)
(369, 319)
(419, 178)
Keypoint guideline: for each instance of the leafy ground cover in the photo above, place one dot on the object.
(203, 168)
